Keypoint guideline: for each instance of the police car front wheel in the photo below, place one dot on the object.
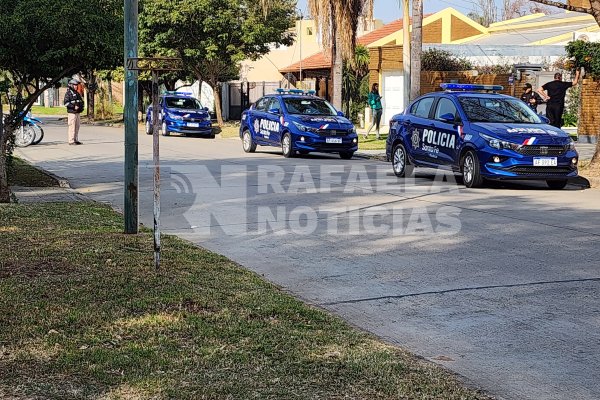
(400, 164)
(286, 146)
(471, 170)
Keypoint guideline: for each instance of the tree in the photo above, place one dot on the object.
(487, 12)
(594, 10)
(337, 21)
(416, 49)
(519, 8)
(355, 74)
(213, 36)
(44, 41)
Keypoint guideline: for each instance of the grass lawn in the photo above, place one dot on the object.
(41, 110)
(84, 315)
(371, 143)
(228, 130)
(21, 173)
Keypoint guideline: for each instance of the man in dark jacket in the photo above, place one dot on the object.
(554, 93)
(531, 98)
(74, 103)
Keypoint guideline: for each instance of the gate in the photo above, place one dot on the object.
(239, 99)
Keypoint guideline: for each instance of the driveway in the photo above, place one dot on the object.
(500, 285)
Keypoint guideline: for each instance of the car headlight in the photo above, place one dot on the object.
(304, 128)
(572, 144)
(207, 118)
(175, 116)
(354, 130)
(499, 144)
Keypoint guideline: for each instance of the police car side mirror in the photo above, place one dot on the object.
(274, 111)
(545, 120)
(340, 114)
(205, 109)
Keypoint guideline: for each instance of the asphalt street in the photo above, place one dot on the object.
(500, 285)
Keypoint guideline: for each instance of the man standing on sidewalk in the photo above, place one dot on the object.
(554, 93)
(74, 103)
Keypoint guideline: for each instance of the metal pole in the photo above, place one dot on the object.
(130, 119)
(301, 19)
(406, 50)
(156, 159)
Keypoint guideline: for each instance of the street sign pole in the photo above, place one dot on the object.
(155, 65)
(156, 160)
(130, 118)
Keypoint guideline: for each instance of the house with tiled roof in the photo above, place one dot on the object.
(444, 27)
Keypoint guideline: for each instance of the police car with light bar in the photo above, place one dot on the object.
(181, 113)
(473, 130)
(298, 122)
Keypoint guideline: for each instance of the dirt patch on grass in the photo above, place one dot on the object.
(34, 269)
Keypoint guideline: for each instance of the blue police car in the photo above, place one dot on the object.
(473, 130)
(298, 122)
(181, 113)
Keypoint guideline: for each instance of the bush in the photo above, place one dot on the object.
(584, 54)
(569, 119)
(442, 60)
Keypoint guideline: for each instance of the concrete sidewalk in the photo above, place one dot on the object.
(46, 195)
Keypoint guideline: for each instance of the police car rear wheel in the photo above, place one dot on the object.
(247, 142)
(470, 168)
(400, 165)
(286, 146)
(557, 184)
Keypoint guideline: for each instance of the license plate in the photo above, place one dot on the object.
(337, 140)
(193, 124)
(545, 162)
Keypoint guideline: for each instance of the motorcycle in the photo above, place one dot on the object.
(30, 132)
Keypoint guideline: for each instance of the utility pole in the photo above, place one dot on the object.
(416, 49)
(130, 118)
(406, 51)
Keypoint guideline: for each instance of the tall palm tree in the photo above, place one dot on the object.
(338, 22)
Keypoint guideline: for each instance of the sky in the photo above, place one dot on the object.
(389, 10)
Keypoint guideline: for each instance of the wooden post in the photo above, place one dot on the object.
(131, 120)
(156, 159)
(416, 49)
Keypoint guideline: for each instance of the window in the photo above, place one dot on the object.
(261, 105)
(308, 106)
(309, 31)
(274, 105)
(422, 108)
(184, 103)
(445, 106)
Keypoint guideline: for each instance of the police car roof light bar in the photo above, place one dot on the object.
(296, 91)
(470, 87)
(178, 93)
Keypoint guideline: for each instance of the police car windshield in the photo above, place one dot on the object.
(308, 106)
(185, 103)
(499, 110)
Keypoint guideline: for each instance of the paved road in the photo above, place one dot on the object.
(500, 285)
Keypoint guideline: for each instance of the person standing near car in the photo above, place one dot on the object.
(554, 93)
(74, 103)
(531, 98)
(376, 108)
